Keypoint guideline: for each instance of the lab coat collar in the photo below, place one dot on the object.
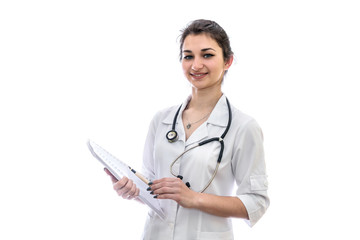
(220, 114)
(170, 117)
(218, 117)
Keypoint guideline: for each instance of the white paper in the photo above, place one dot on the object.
(120, 169)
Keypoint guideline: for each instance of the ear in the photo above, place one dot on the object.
(229, 62)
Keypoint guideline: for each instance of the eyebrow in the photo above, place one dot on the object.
(203, 50)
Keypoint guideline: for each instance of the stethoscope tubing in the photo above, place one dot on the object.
(219, 139)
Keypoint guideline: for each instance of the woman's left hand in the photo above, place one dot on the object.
(175, 189)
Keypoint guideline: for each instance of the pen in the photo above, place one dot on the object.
(142, 178)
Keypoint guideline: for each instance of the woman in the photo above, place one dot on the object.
(198, 203)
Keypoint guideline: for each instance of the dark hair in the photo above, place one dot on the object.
(214, 30)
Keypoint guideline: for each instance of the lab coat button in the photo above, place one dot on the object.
(266, 183)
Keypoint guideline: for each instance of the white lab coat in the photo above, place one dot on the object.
(242, 166)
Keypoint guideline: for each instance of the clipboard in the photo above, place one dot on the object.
(120, 169)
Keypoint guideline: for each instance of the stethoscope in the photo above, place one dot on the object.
(172, 136)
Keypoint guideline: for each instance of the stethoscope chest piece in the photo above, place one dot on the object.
(172, 136)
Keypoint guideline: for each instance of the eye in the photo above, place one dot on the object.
(188, 57)
(208, 55)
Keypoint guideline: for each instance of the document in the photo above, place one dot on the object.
(120, 169)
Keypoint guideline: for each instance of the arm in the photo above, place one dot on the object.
(250, 171)
(175, 189)
(221, 206)
(251, 200)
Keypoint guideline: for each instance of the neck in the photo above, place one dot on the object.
(201, 100)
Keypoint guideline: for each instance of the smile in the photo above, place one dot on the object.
(198, 75)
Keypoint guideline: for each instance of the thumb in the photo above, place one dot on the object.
(113, 178)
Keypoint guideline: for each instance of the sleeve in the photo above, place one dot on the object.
(250, 171)
(148, 154)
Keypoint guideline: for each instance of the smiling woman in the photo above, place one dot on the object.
(226, 147)
(203, 62)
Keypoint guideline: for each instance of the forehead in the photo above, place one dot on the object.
(199, 41)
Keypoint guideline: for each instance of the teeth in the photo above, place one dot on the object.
(198, 75)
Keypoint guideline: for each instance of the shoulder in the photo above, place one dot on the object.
(241, 119)
(244, 123)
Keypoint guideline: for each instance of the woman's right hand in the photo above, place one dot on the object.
(124, 187)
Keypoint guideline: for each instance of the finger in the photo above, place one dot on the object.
(167, 183)
(107, 171)
(130, 194)
(113, 178)
(163, 180)
(121, 183)
(128, 190)
(167, 190)
(174, 197)
(168, 187)
(163, 196)
(136, 194)
(132, 191)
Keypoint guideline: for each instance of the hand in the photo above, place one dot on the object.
(175, 189)
(124, 187)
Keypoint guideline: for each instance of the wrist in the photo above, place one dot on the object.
(198, 199)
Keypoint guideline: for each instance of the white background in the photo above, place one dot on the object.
(73, 70)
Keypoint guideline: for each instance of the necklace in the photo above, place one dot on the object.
(188, 125)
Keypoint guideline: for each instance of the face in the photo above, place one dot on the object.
(203, 62)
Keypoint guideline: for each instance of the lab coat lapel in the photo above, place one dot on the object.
(218, 117)
(220, 114)
(179, 127)
(199, 134)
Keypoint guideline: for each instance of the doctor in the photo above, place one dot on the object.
(195, 183)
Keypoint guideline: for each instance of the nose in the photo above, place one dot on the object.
(197, 64)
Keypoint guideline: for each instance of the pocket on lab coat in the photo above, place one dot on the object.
(228, 235)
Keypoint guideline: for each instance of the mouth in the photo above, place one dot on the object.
(198, 75)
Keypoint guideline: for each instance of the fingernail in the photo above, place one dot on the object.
(148, 189)
(150, 183)
(152, 192)
(155, 196)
